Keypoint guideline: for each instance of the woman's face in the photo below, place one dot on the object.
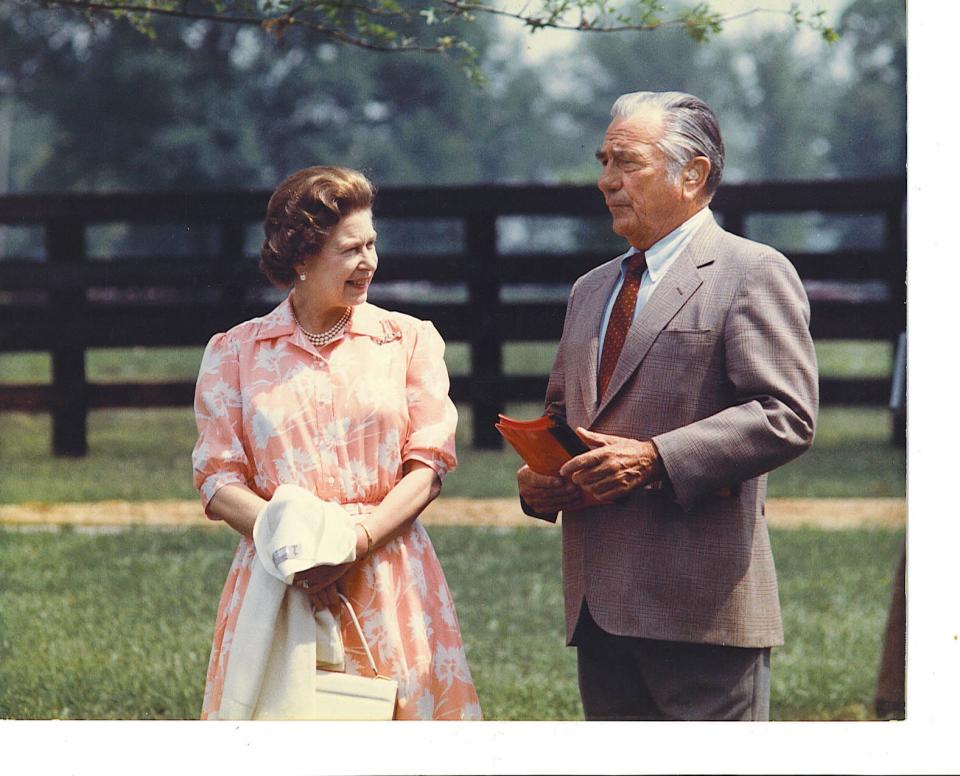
(340, 274)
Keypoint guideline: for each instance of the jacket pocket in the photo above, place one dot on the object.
(681, 368)
(681, 338)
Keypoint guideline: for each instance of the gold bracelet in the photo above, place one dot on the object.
(369, 539)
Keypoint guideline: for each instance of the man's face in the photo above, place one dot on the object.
(643, 200)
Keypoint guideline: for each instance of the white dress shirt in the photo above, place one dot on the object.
(660, 256)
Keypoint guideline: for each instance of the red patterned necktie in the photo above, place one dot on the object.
(621, 317)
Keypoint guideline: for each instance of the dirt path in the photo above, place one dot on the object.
(781, 513)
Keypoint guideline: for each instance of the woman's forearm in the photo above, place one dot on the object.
(403, 504)
(237, 506)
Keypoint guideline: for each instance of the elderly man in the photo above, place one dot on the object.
(687, 368)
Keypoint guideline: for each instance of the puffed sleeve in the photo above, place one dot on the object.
(433, 416)
(219, 457)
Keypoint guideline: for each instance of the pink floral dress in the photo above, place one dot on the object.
(341, 421)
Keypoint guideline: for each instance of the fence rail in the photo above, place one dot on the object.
(68, 301)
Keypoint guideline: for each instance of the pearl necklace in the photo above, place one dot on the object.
(328, 336)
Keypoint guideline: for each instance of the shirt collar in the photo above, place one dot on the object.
(661, 254)
(366, 321)
(280, 321)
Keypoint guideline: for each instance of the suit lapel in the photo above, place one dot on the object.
(672, 292)
(591, 307)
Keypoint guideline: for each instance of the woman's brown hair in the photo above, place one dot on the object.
(301, 213)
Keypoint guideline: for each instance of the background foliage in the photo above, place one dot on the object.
(94, 106)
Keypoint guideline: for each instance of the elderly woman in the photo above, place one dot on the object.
(348, 401)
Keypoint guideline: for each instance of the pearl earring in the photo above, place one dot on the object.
(303, 275)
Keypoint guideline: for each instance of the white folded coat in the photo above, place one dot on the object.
(278, 639)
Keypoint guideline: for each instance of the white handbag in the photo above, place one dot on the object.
(342, 696)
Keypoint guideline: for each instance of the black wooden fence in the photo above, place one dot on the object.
(57, 304)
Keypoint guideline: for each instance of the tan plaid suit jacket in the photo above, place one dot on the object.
(719, 371)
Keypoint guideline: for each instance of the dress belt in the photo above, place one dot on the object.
(356, 508)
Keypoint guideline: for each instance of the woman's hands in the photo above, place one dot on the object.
(320, 582)
(418, 486)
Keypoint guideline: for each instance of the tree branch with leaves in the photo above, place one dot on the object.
(431, 26)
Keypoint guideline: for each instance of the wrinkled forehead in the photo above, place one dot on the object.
(644, 127)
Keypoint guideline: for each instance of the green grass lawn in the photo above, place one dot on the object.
(118, 625)
(837, 358)
(145, 454)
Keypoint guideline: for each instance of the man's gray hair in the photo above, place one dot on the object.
(690, 129)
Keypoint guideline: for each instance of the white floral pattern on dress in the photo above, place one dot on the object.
(341, 421)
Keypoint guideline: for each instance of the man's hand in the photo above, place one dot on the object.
(545, 493)
(614, 467)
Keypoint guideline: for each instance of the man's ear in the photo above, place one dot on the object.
(693, 178)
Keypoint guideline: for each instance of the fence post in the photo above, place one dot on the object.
(896, 272)
(66, 246)
(486, 359)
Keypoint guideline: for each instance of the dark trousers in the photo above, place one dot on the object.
(626, 678)
(889, 701)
